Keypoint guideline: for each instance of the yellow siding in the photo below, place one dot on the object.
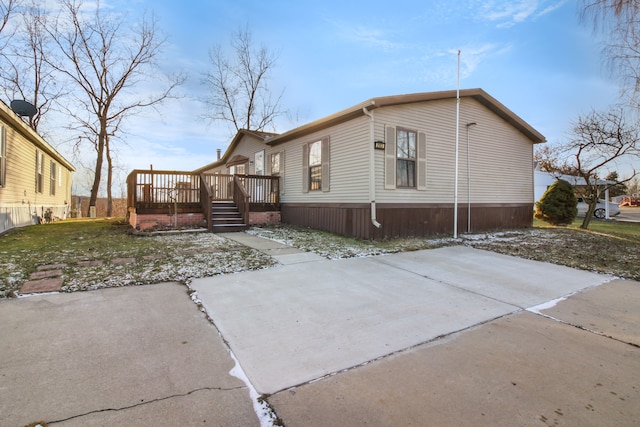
(19, 201)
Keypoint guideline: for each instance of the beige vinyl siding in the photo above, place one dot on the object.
(247, 147)
(501, 169)
(349, 165)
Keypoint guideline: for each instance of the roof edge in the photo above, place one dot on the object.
(387, 101)
(232, 145)
(8, 114)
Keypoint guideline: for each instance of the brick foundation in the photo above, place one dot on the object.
(264, 218)
(149, 221)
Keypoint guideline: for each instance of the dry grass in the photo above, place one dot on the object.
(585, 250)
(609, 247)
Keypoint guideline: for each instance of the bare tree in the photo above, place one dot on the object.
(619, 21)
(599, 141)
(106, 63)
(547, 158)
(25, 74)
(7, 10)
(240, 95)
(7, 7)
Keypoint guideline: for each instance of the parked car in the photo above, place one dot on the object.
(599, 213)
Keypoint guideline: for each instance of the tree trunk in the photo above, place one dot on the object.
(109, 180)
(97, 174)
(587, 216)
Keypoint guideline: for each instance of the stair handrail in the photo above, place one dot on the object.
(206, 197)
(241, 199)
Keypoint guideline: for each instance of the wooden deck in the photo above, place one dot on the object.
(151, 192)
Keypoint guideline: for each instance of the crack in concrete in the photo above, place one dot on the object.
(142, 403)
(264, 411)
(452, 285)
(583, 328)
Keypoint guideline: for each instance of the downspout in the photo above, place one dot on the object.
(372, 168)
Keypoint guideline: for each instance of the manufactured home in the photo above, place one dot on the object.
(387, 168)
(35, 180)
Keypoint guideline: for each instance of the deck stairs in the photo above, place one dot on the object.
(225, 217)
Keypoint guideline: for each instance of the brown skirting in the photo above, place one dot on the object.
(406, 219)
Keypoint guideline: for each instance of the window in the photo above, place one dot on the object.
(39, 171)
(52, 190)
(237, 170)
(406, 159)
(259, 162)
(3, 157)
(275, 164)
(315, 165)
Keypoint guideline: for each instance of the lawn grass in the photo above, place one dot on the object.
(170, 257)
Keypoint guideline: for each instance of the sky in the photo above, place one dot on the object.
(534, 56)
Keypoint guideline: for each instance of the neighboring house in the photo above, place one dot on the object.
(386, 167)
(543, 180)
(35, 180)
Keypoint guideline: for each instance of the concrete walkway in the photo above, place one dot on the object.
(282, 253)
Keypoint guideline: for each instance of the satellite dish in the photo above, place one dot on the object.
(23, 108)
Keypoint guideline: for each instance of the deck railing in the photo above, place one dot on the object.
(241, 199)
(206, 197)
(159, 190)
(154, 191)
(262, 190)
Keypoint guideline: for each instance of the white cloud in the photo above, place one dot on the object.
(369, 37)
(507, 13)
(551, 8)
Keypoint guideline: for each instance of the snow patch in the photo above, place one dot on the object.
(547, 305)
(260, 406)
(36, 294)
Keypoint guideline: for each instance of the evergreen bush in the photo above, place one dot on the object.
(558, 205)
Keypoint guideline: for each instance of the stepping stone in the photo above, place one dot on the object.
(154, 256)
(44, 274)
(43, 285)
(51, 267)
(122, 261)
(90, 263)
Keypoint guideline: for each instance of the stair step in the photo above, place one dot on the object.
(226, 228)
(228, 221)
(225, 217)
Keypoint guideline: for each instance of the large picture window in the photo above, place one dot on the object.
(406, 155)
